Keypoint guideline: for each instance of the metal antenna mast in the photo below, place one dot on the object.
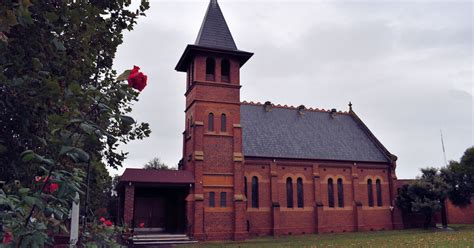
(444, 151)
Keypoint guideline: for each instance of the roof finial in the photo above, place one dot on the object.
(350, 106)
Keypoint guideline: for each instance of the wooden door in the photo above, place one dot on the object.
(143, 211)
(159, 213)
(151, 212)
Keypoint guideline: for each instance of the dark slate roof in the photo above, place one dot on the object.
(214, 32)
(284, 133)
(157, 176)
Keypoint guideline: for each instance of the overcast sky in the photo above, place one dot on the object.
(406, 66)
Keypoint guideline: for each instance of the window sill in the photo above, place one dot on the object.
(217, 134)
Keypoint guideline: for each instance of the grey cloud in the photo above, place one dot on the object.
(406, 66)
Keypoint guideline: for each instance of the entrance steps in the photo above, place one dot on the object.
(159, 239)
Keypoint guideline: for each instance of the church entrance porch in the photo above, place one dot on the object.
(153, 201)
(160, 209)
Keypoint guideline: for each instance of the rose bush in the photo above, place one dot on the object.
(63, 113)
(50, 187)
(7, 238)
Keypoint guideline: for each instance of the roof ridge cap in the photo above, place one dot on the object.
(309, 109)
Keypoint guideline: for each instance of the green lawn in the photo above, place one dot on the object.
(462, 236)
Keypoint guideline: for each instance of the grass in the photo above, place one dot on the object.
(462, 236)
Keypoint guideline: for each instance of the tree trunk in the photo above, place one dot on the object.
(428, 218)
(444, 217)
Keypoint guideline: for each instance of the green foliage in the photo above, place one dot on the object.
(157, 164)
(100, 193)
(100, 235)
(424, 195)
(61, 107)
(460, 177)
(52, 208)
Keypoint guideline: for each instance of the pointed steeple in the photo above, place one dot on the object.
(214, 38)
(214, 32)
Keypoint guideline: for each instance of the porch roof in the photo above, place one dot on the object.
(157, 176)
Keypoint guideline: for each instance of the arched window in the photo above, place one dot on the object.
(378, 189)
(225, 70)
(245, 187)
(289, 193)
(191, 74)
(299, 192)
(254, 192)
(190, 123)
(188, 127)
(223, 123)
(210, 69)
(370, 193)
(210, 122)
(212, 199)
(340, 193)
(330, 193)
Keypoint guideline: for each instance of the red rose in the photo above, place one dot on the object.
(102, 219)
(141, 225)
(7, 238)
(136, 79)
(108, 223)
(53, 187)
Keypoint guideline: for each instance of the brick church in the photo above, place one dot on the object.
(251, 169)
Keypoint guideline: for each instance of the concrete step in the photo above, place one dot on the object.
(164, 242)
(158, 238)
(148, 229)
(161, 235)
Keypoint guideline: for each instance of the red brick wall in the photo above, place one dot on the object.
(313, 219)
(129, 203)
(260, 219)
(215, 156)
(458, 215)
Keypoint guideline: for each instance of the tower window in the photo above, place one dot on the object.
(378, 189)
(210, 122)
(299, 191)
(225, 70)
(212, 199)
(191, 74)
(330, 193)
(370, 193)
(188, 129)
(223, 123)
(340, 193)
(210, 69)
(254, 192)
(223, 199)
(289, 192)
(245, 186)
(190, 123)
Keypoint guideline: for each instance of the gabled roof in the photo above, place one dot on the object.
(157, 176)
(214, 31)
(284, 132)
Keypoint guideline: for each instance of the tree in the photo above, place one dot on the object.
(425, 195)
(63, 110)
(157, 164)
(460, 177)
(100, 192)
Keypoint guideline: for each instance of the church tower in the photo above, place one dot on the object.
(212, 139)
